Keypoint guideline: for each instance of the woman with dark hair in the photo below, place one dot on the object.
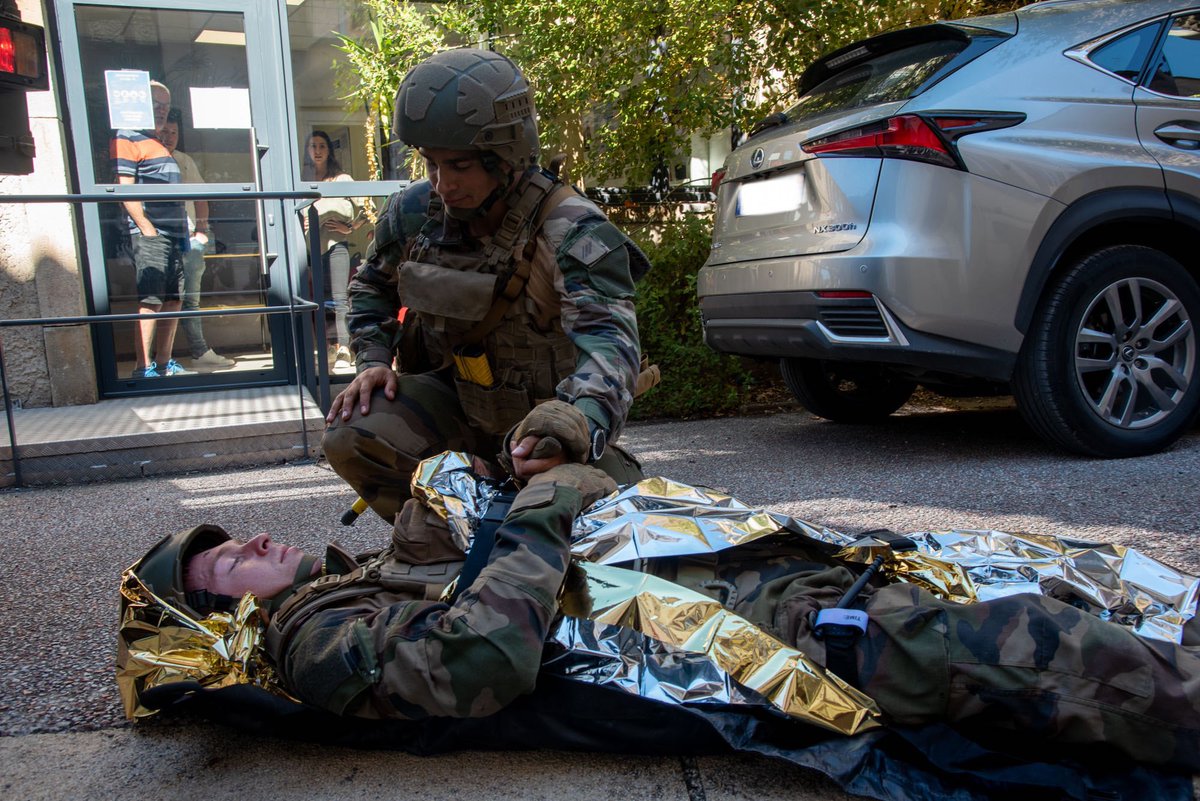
(339, 217)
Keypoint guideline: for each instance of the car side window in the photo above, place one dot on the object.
(1177, 71)
(1126, 55)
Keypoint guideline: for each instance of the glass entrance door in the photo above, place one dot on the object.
(169, 96)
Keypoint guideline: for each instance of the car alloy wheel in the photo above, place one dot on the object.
(1135, 353)
(1109, 364)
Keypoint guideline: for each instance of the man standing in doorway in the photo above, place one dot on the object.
(158, 232)
(204, 358)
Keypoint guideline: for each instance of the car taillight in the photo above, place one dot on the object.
(904, 137)
(930, 139)
(717, 177)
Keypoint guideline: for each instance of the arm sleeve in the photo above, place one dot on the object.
(598, 316)
(124, 155)
(372, 294)
(417, 659)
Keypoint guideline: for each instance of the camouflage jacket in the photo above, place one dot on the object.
(582, 263)
(365, 641)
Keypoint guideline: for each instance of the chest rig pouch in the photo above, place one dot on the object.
(446, 296)
(379, 582)
(473, 311)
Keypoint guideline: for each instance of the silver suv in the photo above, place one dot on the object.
(1004, 203)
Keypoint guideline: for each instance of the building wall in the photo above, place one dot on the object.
(41, 268)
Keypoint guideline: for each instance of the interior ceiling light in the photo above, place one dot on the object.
(209, 36)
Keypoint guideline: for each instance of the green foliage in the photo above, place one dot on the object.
(401, 35)
(623, 84)
(696, 380)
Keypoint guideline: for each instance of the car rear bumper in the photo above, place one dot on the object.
(802, 324)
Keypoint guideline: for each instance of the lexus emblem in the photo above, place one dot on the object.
(756, 158)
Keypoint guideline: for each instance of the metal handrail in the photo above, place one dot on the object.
(295, 305)
(116, 197)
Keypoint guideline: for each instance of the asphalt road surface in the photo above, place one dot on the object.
(63, 735)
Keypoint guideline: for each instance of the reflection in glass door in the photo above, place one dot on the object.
(168, 99)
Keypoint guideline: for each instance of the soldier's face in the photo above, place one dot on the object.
(261, 566)
(458, 177)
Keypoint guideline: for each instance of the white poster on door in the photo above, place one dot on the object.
(220, 107)
(129, 103)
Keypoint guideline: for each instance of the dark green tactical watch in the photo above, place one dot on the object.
(598, 442)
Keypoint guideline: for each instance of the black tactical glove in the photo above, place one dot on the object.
(591, 482)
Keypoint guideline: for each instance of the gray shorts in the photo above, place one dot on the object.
(158, 261)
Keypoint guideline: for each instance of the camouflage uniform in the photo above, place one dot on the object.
(1026, 663)
(536, 305)
(371, 641)
(572, 335)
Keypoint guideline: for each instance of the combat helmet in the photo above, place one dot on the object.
(469, 99)
(161, 570)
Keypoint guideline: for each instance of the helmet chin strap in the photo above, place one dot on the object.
(507, 180)
(304, 574)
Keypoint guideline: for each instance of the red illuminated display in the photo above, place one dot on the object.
(22, 55)
(8, 53)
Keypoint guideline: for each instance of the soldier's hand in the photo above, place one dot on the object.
(591, 482)
(359, 392)
(553, 433)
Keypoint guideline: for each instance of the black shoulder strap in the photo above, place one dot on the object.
(485, 541)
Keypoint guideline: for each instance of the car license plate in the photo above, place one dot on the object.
(772, 196)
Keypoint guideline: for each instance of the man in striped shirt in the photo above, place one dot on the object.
(158, 233)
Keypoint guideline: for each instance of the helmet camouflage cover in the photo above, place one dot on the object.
(469, 99)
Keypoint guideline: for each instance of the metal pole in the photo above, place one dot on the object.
(296, 351)
(12, 426)
(256, 153)
(317, 269)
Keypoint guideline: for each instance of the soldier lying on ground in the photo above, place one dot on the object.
(373, 639)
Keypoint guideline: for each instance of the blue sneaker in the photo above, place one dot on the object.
(149, 371)
(175, 368)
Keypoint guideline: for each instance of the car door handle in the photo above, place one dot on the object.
(1179, 136)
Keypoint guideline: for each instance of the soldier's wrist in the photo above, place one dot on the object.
(598, 428)
(597, 442)
(372, 356)
(363, 366)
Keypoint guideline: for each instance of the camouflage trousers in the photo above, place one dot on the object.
(377, 453)
(1027, 663)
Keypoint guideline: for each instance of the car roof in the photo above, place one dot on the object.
(1116, 10)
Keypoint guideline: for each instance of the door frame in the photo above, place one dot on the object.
(273, 118)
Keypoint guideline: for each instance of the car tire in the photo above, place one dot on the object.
(1109, 364)
(845, 393)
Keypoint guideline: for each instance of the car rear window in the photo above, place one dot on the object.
(1126, 55)
(862, 76)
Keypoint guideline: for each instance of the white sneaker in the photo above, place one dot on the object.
(211, 360)
(343, 360)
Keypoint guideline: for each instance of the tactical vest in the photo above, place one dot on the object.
(455, 296)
